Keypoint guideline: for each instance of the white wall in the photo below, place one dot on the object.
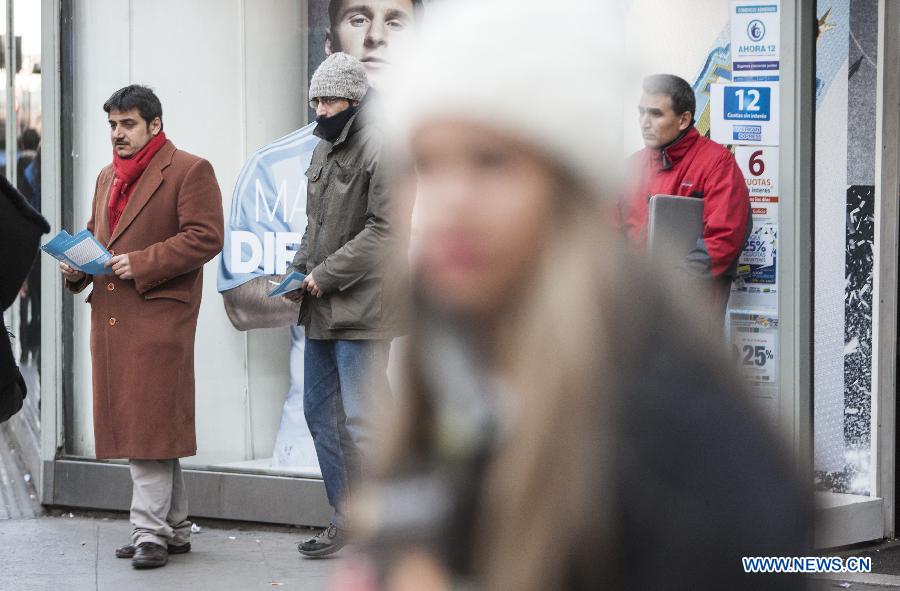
(670, 38)
(231, 76)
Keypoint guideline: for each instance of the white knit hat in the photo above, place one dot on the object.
(340, 75)
(548, 73)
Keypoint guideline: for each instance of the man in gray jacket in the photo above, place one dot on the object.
(350, 280)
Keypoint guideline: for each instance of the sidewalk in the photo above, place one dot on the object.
(76, 553)
(885, 568)
(869, 582)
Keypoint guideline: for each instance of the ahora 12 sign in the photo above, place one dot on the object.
(755, 32)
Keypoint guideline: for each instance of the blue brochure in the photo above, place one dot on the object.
(81, 251)
(291, 282)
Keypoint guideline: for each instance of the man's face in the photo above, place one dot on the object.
(366, 28)
(129, 132)
(660, 124)
(331, 106)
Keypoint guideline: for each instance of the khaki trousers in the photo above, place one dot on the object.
(159, 503)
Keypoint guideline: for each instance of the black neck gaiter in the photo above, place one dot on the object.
(330, 128)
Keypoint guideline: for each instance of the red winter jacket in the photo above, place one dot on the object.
(693, 166)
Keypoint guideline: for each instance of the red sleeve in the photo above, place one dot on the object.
(726, 214)
(630, 215)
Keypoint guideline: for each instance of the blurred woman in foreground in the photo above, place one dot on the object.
(561, 423)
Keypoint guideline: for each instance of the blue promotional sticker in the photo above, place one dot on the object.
(748, 103)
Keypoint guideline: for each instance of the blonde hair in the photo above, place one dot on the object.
(540, 488)
(550, 348)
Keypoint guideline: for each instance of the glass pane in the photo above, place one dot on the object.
(846, 72)
(267, 217)
(27, 90)
(21, 163)
(240, 102)
(11, 318)
(4, 93)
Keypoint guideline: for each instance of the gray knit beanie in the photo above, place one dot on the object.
(340, 75)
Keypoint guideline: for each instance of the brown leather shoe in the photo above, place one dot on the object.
(149, 555)
(127, 551)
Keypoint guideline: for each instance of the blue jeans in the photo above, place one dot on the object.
(340, 381)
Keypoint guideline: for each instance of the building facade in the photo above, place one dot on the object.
(818, 311)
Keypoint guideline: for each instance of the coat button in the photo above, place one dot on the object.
(112, 321)
(110, 287)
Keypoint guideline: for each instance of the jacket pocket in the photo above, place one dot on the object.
(313, 192)
(182, 295)
(350, 187)
(359, 307)
(313, 173)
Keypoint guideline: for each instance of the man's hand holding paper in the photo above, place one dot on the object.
(71, 275)
(291, 286)
(121, 266)
(81, 252)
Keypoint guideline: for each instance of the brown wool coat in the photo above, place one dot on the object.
(142, 330)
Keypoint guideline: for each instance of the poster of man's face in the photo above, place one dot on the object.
(366, 29)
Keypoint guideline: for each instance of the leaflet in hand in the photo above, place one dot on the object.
(82, 252)
(291, 282)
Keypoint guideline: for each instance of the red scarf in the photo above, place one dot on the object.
(127, 172)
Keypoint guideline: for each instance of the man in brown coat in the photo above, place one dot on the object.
(159, 212)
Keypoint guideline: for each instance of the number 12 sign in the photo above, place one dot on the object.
(744, 114)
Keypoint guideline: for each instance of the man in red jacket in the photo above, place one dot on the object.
(677, 160)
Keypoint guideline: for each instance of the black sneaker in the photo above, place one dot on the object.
(325, 543)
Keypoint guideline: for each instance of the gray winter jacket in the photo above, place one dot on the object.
(352, 239)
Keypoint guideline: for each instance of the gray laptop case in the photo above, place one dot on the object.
(676, 223)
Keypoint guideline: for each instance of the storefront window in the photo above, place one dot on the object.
(20, 122)
(705, 57)
(242, 105)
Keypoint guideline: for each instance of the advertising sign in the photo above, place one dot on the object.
(756, 286)
(755, 39)
(744, 114)
(754, 344)
(757, 262)
(760, 169)
(268, 212)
